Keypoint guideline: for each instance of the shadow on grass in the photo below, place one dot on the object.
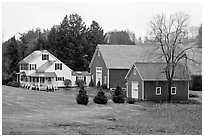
(189, 101)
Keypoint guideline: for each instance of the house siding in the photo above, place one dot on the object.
(98, 62)
(117, 76)
(150, 90)
(137, 78)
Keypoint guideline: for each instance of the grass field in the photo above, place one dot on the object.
(42, 113)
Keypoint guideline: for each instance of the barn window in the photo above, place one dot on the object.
(134, 71)
(158, 90)
(104, 79)
(173, 90)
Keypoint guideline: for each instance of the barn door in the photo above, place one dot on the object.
(98, 75)
(134, 89)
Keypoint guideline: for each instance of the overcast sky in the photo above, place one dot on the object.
(121, 15)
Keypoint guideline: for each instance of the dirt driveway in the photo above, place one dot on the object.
(37, 112)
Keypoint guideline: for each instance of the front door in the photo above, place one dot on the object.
(134, 89)
(98, 75)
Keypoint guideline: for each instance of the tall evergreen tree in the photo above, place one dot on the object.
(12, 51)
(95, 35)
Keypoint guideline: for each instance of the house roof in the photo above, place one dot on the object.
(156, 71)
(123, 56)
(34, 55)
(46, 65)
(80, 73)
(31, 57)
(44, 74)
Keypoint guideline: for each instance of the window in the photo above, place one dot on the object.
(104, 79)
(42, 79)
(98, 68)
(98, 53)
(158, 90)
(59, 78)
(173, 90)
(58, 66)
(80, 77)
(45, 57)
(49, 79)
(134, 71)
(24, 67)
(32, 66)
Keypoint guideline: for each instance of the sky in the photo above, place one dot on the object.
(134, 16)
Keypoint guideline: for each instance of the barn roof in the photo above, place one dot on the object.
(156, 71)
(123, 56)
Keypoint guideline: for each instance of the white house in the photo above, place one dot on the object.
(41, 69)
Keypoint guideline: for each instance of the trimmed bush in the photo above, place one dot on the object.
(91, 84)
(14, 84)
(67, 82)
(98, 84)
(130, 100)
(82, 97)
(118, 96)
(104, 86)
(100, 98)
(80, 82)
(193, 95)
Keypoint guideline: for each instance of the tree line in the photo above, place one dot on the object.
(71, 41)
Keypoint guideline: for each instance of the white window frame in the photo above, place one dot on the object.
(171, 90)
(58, 66)
(159, 90)
(134, 71)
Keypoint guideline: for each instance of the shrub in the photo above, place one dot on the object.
(193, 95)
(118, 96)
(79, 82)
(82, 97)
(100, 98)
(98, 84)
(104, 86)
(130, 100)
(14, 84)
(67, 82)
(91, 84)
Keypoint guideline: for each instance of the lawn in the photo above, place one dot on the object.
(42, 113)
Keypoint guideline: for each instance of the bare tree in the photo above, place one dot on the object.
(170, 32)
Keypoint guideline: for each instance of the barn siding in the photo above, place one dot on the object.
(98, 62)
(131, 78)
(150, 90)
(117, 76)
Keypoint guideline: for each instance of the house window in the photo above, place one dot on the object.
(104, 79)
(59, 78)
(42, 79)
(158, 90)
(32, 66)
(45, 57)
(49, 79)
(173, 90)
(98, 53)
(134, 71)
(24, 67)
(58, 66)
(80, 77)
